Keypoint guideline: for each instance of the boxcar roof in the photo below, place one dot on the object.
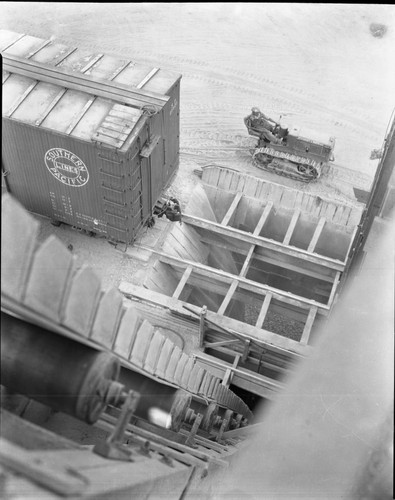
(73, 91)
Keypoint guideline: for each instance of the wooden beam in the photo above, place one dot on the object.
(283, 370)
(316, 235)
(231, 209)
(271, 341)
(182, 282)
(231, 232)
(334, 289)
(263, 258)
(257, 384)
(247, 261)
(245, 283)
(147, 78)
(263, 311)
(212, 345)
(33, 465)
(263, 218)
(20, 99)
(202, 325)
(291, 227)
(227, 380)
(228, 297)
(308, 325)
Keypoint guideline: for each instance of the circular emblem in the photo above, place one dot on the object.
(66, 167)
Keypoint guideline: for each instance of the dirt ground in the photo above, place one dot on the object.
(318, 66)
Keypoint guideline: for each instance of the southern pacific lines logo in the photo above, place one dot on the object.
(66, 167)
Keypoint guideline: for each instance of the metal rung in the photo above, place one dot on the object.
(125, 217)
(109, 159)
(114, 203)
(119, 177)
(119, 191)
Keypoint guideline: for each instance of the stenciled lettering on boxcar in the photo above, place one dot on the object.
(66, 167)
(173, 106)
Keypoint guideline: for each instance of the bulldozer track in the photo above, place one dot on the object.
(43, 284)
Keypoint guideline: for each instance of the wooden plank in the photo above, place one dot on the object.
(147, 78)
(65, 55)
(153, 352)
(107, 318)
(126, 332)
(19, 238)
(182, 282)
(352, 242)
(186, 374)
(316, 235)
(40, 47)
(50, 107)
(119, 70)
(232, 209)
(164, 358)
(78, 117)
(50, 272)
(247, 261)
(211, 345)
(20, 99)
(251, 378)
(263, 218)
(30, 436)
(334, 289)
(263, 311)
(62, 480)
(228, 297)
(156, 439)
(277, 262)
(291, 227)
(10, 44)
(227, 380)
(237, 234)
(81, 302)
(173, 363)
(308, 325)
(248, 284)
(91, 63)
(181, 365)
(141, 344)
(271, 341)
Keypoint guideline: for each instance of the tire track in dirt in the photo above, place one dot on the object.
(220, 76)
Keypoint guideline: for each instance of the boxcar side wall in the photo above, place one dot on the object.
(54, 175)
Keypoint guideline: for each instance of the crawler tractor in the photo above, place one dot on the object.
(291, 153)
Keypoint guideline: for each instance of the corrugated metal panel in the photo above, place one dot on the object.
(74, 151)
